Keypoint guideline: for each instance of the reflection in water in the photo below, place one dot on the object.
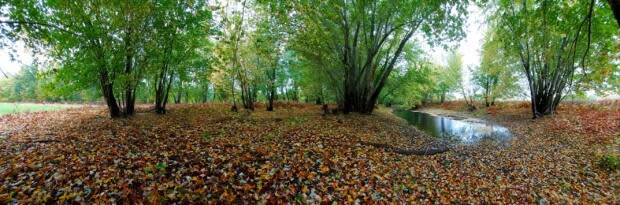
(445, 127)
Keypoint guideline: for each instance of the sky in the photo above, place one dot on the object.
(12, 67)
(470, 47)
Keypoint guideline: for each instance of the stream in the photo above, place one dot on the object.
(466, 130)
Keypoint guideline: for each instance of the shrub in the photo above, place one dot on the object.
(206, 136)
(610, 162)
(161, 166)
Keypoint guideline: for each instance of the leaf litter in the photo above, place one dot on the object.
(205, 153)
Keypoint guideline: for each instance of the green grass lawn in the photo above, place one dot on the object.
(8, 108)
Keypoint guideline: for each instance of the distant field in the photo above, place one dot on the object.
(8, 108)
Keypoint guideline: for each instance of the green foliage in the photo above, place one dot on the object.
(421, 81)
(496, 75)
(561, 46)
(454, 63)
(451, 78)
(610, 162)
(296, 120)
(206, 136)
(32, 85)
(358, 43)
(24, 86)
(161, 166)
(111, 45)
(353, 53)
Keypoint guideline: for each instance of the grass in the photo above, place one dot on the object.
(10, 108)
(610, 162)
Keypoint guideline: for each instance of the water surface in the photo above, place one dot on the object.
(464, 130)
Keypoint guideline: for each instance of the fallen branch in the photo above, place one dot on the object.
(38, 141)
(44, 141)
(428, 151)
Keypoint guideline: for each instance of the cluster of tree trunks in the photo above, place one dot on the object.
(165, 78)
(248, 95)
(548, 80)
(490, 82)
(365, 80)
(126, 106)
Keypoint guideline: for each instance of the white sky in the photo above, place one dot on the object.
(24, 57)
(470, 47)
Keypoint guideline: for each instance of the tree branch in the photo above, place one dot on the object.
(40, 24)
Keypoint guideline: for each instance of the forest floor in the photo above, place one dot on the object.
(207, 153)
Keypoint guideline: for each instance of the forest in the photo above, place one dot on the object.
(309, 101)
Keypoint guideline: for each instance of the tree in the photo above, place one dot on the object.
(496, 73)
(230, 45)
(450, 76)
(177, 25)
(111, 43)
(268, 45)
(454, 64)
(415, 82)
(615, 7)
(82, 36)
(368, 38)
(412, 86)
(555, 41)
(23, 86)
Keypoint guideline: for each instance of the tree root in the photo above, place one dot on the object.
(428, 151)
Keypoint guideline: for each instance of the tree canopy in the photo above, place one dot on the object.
(351, 53)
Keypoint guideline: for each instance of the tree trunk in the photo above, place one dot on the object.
(232, 90)
(487, 90)
(107, 86)
(162, 94)
(130, 97)
(615, 8)
(205, 94)
(179, 94)
(247, 95)
(443, 97)
(318, 101)
(364, 81)
(234, 106)
(130, 101)
(163, 88)
(165, 101)
(271, 87)
(177, 98)
(107, 89)
(271, 98)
